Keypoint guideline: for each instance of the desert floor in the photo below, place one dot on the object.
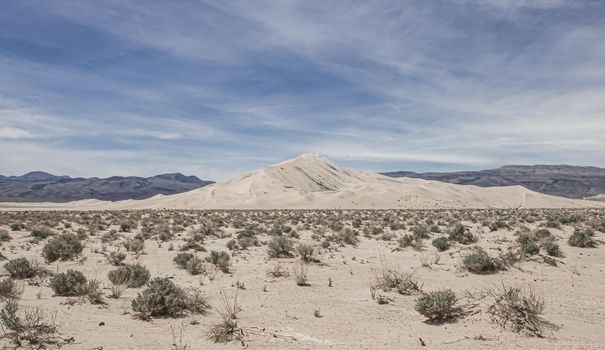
(276, 313)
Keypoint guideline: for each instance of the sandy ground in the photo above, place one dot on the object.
(278, 314)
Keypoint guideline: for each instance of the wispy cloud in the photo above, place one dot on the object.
(219, 87)
(12, 133)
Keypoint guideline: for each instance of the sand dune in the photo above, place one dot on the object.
(311, 181)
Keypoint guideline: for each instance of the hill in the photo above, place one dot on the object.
(557, 180)
(38, 186)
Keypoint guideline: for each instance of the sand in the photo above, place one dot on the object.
(278, 314)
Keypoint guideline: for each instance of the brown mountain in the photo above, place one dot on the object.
(559, 180)
(38, 186)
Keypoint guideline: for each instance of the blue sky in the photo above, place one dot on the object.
(100, 88)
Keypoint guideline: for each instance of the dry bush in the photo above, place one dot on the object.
(300, 271)
(31, 328)
(518, 309)
(9, 289)
(119, 282)
(277, 271)
(389, 277)
(306, 250)
(227, 329)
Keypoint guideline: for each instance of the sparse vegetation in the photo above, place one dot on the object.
(162, 298)
(439, 305)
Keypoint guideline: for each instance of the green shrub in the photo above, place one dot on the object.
(21, 268)
(162, 298)
(408, 240)
(525, 238)
(181, 259)
(582, 239)
(552, 248)
(221, 260)
(137, 274)
(195, 266)
(41, 232)
(530, 248)
(441, 243)
(64, 247)
(543, 234)
(461, 234)
(280, 246)
(347, 236)
(479, 262)
(70, 283)
(9, 289)
(5, 236)
(438, 305)
(16, 226)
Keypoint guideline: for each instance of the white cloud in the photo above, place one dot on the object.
(12, 133)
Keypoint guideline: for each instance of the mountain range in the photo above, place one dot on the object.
(39, 186)
(311, 181)
(558, 180)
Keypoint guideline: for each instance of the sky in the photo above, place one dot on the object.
(216, 88)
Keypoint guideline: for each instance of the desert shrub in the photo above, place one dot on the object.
(31, 328)
(525, 238)
(93, 292)
(300, 271)
(438, 305)
(479, 262)
(16, 226)
(137, 275)
(280, 246)
(543, 234)
(21, 268)
(347, 236)
(408, 240)
(246, 239)
(41, 232)
(552, 248)
(389, 277)
(421, 232)
(70, 283)
(278, 271)
(306, 250)
(9, 289)
(518, 309)
(5, 236)
(226, 329)
(530, 248)
(220, 259)
(582, 239)
(116, 258)
(162, 298)
(195, 266)
(64, 247)
(127, 226)
(181, 259)
(461, 234)
(441, 243)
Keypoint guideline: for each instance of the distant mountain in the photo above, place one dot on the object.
(38, 186)
(559, 180)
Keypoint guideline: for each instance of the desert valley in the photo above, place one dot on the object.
(306, 254)
(300, 174)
